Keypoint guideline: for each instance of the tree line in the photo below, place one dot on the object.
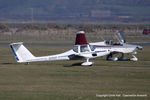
(84, 27)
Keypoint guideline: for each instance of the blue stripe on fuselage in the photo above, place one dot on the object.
(100, 51)
(72, 55)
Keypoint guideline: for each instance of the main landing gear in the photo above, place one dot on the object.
(118, 57)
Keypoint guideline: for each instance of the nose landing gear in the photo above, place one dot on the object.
(87, 63)
(134, 58)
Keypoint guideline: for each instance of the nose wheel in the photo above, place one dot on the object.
(87, 63)
(134, 58)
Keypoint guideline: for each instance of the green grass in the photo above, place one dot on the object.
(61, 80)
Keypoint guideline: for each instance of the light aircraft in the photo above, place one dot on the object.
(81, 49)
(120, 47)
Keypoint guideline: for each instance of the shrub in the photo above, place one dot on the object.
(55, 26)
(86, 27)
(33, 27)
(4, 27)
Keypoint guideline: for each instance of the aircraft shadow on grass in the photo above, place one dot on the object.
(6, 63)
(74, 65)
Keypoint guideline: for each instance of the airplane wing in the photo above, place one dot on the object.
(98, 43)
(22, 54)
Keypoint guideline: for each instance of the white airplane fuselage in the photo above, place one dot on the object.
(123, 48)
(97, 52)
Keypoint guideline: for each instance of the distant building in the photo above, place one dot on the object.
(146, 31)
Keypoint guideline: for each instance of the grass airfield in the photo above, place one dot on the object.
(66, 80)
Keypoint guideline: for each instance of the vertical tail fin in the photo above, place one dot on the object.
(80, 38)
(21, 53)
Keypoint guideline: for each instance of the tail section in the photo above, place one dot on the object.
(21, 53)
(80, 38)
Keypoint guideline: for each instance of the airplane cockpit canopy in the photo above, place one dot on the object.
(118, 39)
(111, 42)
(83, 48)
(92, 47)
(75, 49)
